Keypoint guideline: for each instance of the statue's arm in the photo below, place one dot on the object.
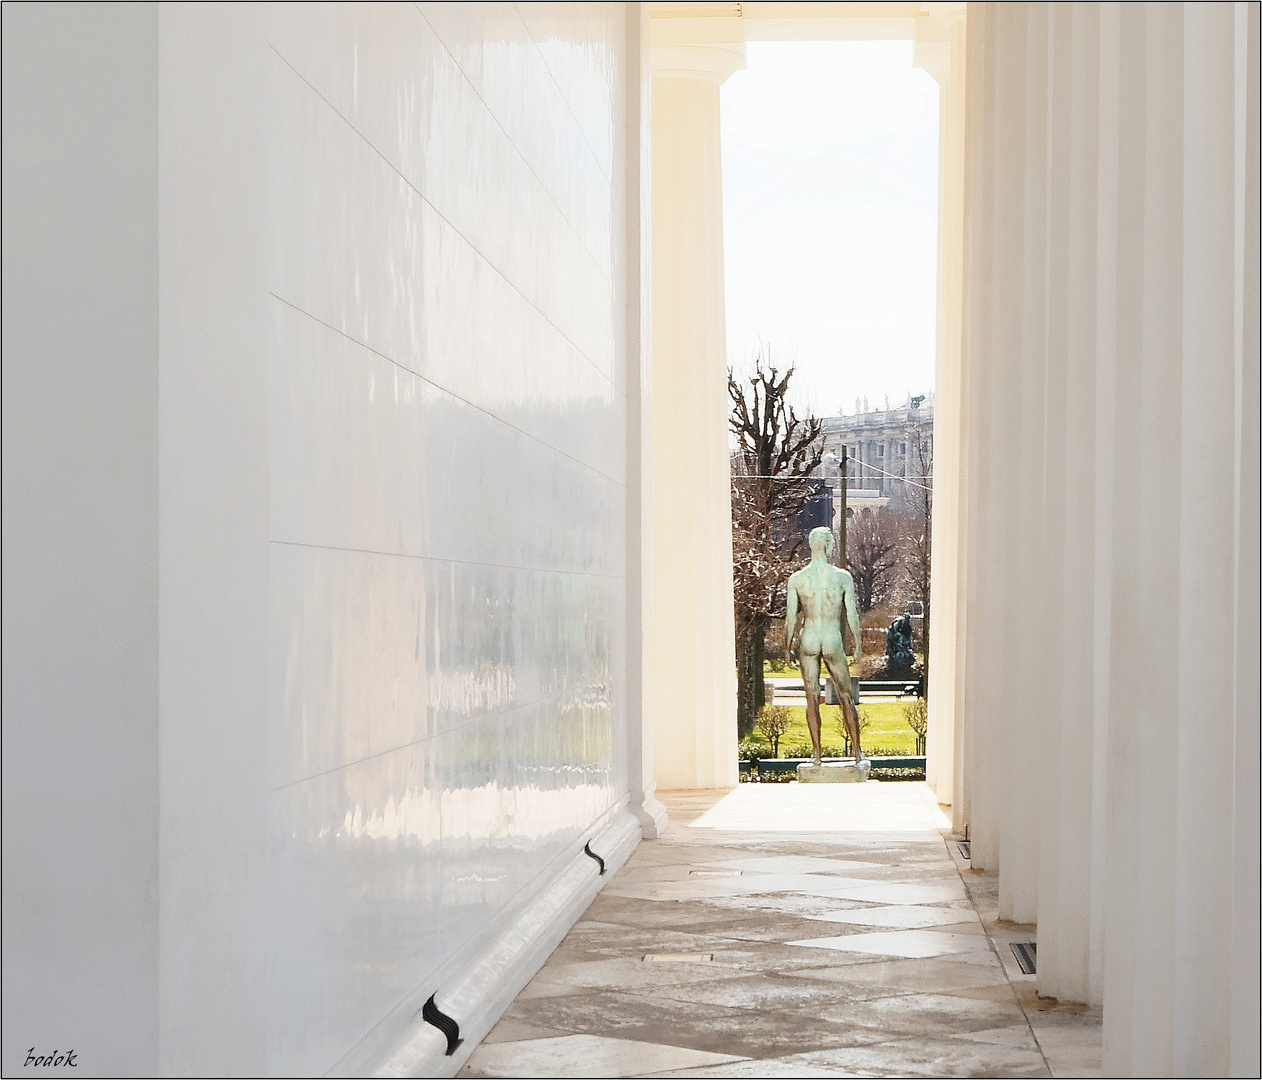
(790, 620)
(852, 617)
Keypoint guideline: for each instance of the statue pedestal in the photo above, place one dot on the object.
(834, 772)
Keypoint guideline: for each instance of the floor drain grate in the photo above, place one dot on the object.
(1026, 953)
(966, 849)
(678, 958)
(715, 873)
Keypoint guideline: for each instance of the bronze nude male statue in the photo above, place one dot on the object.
(823, 595)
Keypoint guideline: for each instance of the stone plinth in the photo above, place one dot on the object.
(834, 772)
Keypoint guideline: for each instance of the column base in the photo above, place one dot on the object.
(651, 815)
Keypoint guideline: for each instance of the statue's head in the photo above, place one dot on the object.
(821, 541)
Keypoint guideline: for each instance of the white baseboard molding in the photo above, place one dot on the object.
(488, 981)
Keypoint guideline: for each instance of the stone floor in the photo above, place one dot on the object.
(792, 930)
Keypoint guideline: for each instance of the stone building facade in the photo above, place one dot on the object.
(883, 448)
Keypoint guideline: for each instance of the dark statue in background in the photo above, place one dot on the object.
(899, 657)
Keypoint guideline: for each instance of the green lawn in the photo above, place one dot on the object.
(887, 729)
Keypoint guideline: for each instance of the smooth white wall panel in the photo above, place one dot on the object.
(217, 908)
(81, 536)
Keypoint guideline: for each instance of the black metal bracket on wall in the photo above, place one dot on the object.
(587, 850)
(432, 1014)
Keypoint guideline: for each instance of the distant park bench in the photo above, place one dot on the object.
(791, 764)
(869, 689)
(889, 688)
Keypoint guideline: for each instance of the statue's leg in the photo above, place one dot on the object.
(839, 669)
(810, 683)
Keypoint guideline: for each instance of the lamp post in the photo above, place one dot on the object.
(841, 528)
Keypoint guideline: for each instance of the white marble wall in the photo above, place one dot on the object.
(447, 481)
(390, 476)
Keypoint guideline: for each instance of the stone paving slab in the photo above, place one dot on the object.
(845, 939)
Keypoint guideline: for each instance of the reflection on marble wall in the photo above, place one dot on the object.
(447, 484)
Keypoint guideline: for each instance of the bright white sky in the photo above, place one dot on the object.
(830, 204)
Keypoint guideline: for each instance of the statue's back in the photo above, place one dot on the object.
(821, 592)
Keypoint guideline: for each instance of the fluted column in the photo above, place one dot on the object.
(636, 158)
(940, 50)
(997, 125)
(1144, 722)
(1024, 725)
(1207, 444)
(1066, 897)
(1244, 978)
(692, 637)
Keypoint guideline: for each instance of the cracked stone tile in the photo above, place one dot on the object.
(908, 943)
(583, 1055)
(516, 1031)
(887, 977)
(932, 1057)
(718, 1028)
(926, 1014)
(793, 1065)
(901, 916)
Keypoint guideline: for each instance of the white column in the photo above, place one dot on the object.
(641, 783)
(1203, 946)
(1049, 733)
(692, 635)
(1244, 905)
(1106, 278)
(940, 43)
(1066, 897)
(978, 201)
(996, 124)
(1024, 725)
(1139, 1014)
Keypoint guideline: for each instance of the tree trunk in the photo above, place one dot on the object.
(760, 654)
(748, 676)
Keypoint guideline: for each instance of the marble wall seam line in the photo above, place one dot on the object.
(502, 713)
(555, 82)
(525, 161)
(607, 376)
(451, 393)
(449, 561)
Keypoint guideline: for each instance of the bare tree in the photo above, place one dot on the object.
(872, 543)
(773, 721)
(776, 452)
(864, 720)
(917, 716)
